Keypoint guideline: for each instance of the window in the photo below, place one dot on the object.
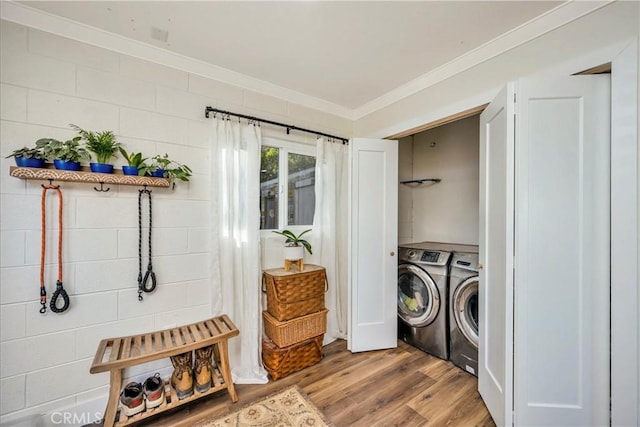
(287, 185)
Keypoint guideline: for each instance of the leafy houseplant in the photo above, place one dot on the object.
(294, 246)
(29, 157)
(66, 154)
(103, 145)
(135, 163)
(163, 166)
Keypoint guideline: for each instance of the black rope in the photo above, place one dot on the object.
(60, 292)
(289, 128)
(149, 274)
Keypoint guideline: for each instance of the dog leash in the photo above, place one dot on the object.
(149, 274)
(59, 292)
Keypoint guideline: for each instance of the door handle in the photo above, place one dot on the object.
(392, 253)
(479, 266)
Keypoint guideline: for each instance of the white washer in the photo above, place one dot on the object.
(463, 311)
(422, 298)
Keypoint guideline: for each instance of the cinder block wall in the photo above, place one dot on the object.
(46, 83)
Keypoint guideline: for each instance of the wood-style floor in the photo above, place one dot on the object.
(396, 387)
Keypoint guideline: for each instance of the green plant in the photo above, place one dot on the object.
(69, 150)
(28, 153)
(173, 170)
(133, 159)
(293, 240)
(102, 144)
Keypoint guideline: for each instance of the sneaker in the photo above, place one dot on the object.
(132, 399)
(153, 389)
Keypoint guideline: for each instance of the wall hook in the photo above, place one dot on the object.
(101, 189)
(50, 184)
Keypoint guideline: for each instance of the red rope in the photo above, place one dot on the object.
(43, 298)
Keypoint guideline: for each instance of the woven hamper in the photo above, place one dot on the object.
(296, 330)
(291, 295)
(280, 362)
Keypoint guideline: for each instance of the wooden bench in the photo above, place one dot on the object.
(116, 354)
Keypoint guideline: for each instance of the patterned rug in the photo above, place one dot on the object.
(287, 408)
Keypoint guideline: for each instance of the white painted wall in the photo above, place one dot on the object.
(447, 211)
(576, 46)
(405, 193)
(48, 82)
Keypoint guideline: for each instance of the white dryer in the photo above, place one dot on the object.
(463, 311)
(422, 298)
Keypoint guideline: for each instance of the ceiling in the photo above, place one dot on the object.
(344, 54)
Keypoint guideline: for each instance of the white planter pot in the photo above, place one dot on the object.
(293, 253)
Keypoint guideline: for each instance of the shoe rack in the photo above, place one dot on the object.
(116, 354)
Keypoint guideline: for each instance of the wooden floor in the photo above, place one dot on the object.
(396, 387)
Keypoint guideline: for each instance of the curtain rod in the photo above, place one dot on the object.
(289, 128)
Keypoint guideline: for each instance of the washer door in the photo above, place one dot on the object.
(465, 309)
(418, 296)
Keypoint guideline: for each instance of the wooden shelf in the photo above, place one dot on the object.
(117, 177)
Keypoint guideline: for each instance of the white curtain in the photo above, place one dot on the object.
(330, 231)
(235, 174)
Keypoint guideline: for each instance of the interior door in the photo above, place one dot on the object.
(495, 294)
(545, 252)
(562, 273)
(373, 241)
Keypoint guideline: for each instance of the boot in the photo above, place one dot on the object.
(181, 379)
(203, 369)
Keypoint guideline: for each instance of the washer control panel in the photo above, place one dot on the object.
(430, 256)
(424, 256)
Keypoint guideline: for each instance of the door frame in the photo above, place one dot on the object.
(625, 239)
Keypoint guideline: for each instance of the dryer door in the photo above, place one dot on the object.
(418, 296)
(465, 309)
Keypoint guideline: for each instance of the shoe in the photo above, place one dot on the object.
(203, 369)
(132, 399)
(153, 389)
(182, 377)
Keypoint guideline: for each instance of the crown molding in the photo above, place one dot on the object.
(549, 21)
(555, 18)
(41, 20)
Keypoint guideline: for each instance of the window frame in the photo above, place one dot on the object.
(285, 147)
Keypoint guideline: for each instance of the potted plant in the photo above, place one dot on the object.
(29, 157)
(66, 154)
(164, 167)
(294, 246)
(135, 163)
(103, 145)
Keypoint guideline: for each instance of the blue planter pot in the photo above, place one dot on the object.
(130, 170)
(67, 166)
(24, 162)
(158, 173)
(101, 168)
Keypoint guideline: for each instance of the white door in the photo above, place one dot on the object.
(495, 295)
(544, 246)
(373, 241)
(562, 273)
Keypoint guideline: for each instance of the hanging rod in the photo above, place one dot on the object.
(289, 128)
(420, 181)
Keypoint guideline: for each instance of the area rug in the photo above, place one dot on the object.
(287, 408)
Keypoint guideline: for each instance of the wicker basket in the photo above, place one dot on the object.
(280, 362)
(291, 295)
(296, 330)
